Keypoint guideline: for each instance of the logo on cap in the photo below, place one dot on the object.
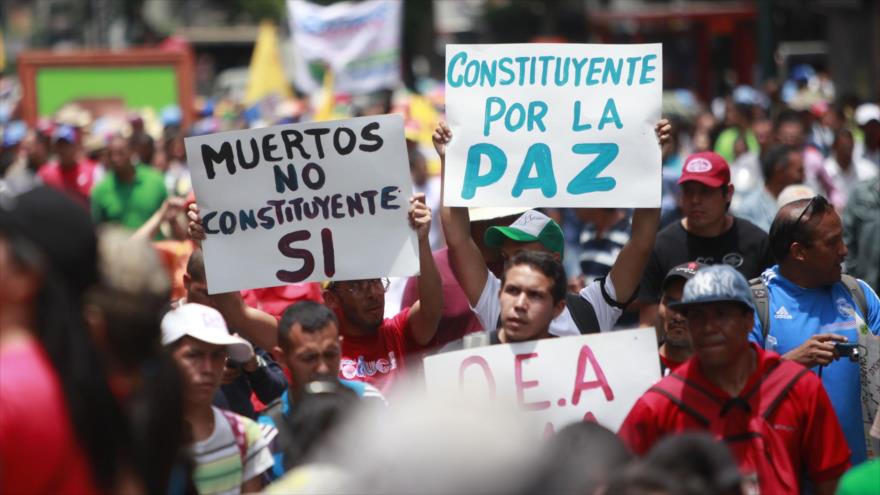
(698, 165)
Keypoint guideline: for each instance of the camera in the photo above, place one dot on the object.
(847, 350)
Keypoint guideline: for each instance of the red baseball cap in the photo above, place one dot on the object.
(707, 168)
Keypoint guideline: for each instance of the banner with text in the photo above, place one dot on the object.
(306, 202)
(595, 377)
(553, 125)
(358, 41)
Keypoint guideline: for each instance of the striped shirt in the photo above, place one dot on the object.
(220, 465)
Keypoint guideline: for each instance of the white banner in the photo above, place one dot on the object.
(358, 41)
(595, 377)
(560, 125)
(305, 202)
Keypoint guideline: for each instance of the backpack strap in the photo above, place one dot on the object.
(761, 298)
(676, 387)
(238, 433)
(776, 388)
(582, 313)
(856, 291)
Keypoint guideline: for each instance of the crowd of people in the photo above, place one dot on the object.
(120, 373)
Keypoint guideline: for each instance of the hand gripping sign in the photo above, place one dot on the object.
(553, 125)
(595, 377)
(297, 203)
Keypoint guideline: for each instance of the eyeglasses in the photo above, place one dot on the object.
(363, 286)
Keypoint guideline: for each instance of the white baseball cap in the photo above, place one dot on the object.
(867, 112)
(206, 324)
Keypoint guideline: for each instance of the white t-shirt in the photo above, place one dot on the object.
(488, 308)
(218, 461)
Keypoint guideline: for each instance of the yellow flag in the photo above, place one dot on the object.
(2, 52)
(266, 73)
(327, 104)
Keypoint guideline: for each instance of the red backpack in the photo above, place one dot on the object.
(744, 422)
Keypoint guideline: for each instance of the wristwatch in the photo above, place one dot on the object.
(261, 363)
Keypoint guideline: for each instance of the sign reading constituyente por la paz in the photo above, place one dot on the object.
(596, 377)
(305, 202)
(563, 125)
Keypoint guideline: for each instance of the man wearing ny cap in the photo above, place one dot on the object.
(71, 173)
(772, 413)
(229, 451)
(707, 233)
(533, 231)
(675, 343)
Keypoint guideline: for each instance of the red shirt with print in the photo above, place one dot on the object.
(76, 181)
(814, 441)
(377, 359)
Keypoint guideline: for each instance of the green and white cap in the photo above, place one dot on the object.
(531, 226)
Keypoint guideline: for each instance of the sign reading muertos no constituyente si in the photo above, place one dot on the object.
(296, 203)
(595, 377)
(553, 125)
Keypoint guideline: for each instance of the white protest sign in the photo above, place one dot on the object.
(553, 125)
(358, 41)
(869, 381)
(306, 202)
(595, 377)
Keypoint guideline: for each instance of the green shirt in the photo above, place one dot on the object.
(727, 138)
(129, 204)
(863, 479)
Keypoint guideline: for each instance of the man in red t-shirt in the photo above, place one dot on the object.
(72, 173)
(773, 414)
(374, 349)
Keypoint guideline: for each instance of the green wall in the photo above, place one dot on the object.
(148, 86)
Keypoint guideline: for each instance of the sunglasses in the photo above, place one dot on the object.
(817, 203)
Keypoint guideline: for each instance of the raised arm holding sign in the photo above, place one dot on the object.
(479, 284)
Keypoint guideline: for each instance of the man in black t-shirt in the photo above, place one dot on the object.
(707, 234)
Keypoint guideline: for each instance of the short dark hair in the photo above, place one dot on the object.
(545, 263)
(787, 116)
(775, 158)
(796, 222)
(843, 131)
(697, 461)
(310, 315)
(195, 266)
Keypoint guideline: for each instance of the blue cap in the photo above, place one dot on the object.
(802, 72)
(170, 115)
(14, 133)
(64, 132)
(716, 283)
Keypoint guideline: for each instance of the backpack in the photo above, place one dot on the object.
(761, 298)
(744, 423)
(238, 433)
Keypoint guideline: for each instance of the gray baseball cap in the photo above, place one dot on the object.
(715, 283)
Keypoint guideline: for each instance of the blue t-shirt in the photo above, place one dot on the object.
(796, 314)
(363, 391)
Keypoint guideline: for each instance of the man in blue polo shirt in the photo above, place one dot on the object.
(811, 310)
(309, 345)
